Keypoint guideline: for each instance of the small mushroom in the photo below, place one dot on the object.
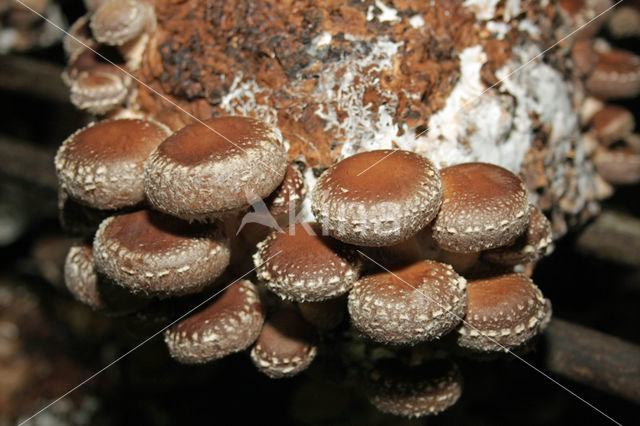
(102, 165)
(302, 265)
(100, 90)
(625, 21)
(483, 206)
(286, 346)
(231, 323)
(615, 76)
(78, 37)
(612, 123)
(529, 247)
(377, 198)
(414, 391)
(116, 22)
(503, 312)
(213, 168)
(410, 304)
(80, 276)
(287, 197)
(154, 254)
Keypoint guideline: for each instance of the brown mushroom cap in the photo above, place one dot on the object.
(102, 165)
(415, 303)
(528, 247)
(414, 391)
(80, 276)
(619, 166)
(483, 206)
(287, 197)
(286, 346)
(116, 22)
(616, 76)
(503, 312)
(302, 265)
(231, 323)
(155, 254)
(100, 90)
(207, 170)
(377, 198)
(612, 123)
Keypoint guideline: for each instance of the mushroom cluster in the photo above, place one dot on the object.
(315, 174)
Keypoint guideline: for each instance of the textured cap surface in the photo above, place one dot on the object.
(286, 346)
(414, 391)
(102, 165)
(80, 276)
(377, 198)
(483, 206)
(209, 169)
(116, 22)
(155, 254)
(416, 303)
(301, 266)
(231, 323)
(503, 312)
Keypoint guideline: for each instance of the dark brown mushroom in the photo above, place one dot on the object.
(213, 168)
(286, 346)
(155, 254)
(231, 323)
(301, 264)
(410, 304)
(377, 198)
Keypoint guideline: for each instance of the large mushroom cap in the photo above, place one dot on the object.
(231, 323)
(414, 391)
(411, 304)
(214, 167)
(377, 198)
(286, 346)
(301, 264)
(151, 253)
(102, 165)
(503, 312)
(483, 206)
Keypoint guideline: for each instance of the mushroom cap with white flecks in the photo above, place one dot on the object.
(116, 22)
(102, 165)
(80, 276)
(301, 264)
(410, 304)
(615, 76)
(100, 90)
(483, 206)
(377, 198)
(414, 391)
(286, 345)
(288, 196)
(503, 312)
(154, 254)
(215, 167)
(231, 323)
(528, 247)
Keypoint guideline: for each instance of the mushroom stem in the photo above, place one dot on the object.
(593, 358)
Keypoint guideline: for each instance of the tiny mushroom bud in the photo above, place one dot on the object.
(625, 21)
(529, 247)
(286, 346)
(377, 198)
(155, 254)
(503, 312)
(302, 265)
(213, 168)
(231, 323)
(619, 165)
(483, 206)
(78, 37)
(414, 391)
(410, 304)
(102, 165)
